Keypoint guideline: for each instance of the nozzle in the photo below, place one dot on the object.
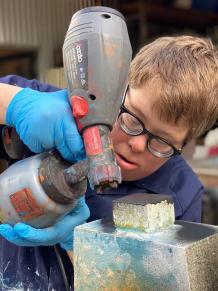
(103, 177)
(61, 182)
(76, 173)
(103, 170)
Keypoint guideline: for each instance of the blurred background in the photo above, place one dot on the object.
(32, 34)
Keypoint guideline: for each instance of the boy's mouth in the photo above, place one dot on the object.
(124, 163)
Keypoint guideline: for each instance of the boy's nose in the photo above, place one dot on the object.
(138, 143)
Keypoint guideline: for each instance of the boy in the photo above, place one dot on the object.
(172, 98)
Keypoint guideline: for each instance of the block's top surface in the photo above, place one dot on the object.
(182, 233)
(143, 199)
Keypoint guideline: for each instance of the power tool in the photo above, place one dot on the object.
(96, 56)
(96, 53)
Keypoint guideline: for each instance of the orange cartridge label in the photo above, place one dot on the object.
(25, 204)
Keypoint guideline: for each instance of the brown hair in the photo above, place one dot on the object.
(183, 71)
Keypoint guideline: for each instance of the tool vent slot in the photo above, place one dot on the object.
(80, 29)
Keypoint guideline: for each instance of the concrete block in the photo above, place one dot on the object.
(184, 257)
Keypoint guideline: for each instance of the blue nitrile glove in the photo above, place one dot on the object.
(62, 232)
(44, 121)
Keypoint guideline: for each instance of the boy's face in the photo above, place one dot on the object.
(131, 152)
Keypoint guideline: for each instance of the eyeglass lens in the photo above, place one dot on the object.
(132, 126)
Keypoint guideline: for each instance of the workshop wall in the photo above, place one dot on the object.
(37, 25)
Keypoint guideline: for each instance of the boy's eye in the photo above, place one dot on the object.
(159, 144)
(131, 122)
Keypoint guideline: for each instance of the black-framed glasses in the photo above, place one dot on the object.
(156, 145)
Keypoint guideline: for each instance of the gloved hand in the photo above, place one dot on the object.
(44, 121)
(62, 232)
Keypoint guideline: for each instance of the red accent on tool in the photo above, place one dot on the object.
(80, 106)
(92, 141)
